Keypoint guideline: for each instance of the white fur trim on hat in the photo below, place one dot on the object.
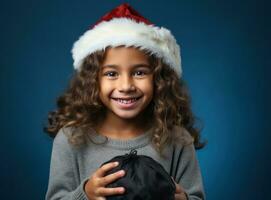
(127, 32)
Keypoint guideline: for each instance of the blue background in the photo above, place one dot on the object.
(226, 58)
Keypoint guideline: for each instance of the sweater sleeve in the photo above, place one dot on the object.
(189, 174)
(62, 184)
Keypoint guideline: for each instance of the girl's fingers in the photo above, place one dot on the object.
(179, 193)
(180, 197)
(110, 191)
(101, 198)
(103, 169)
(111, 177)
(178, 188)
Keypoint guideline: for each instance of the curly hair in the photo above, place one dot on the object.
(80, 106)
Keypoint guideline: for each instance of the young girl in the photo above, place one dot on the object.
(126, 93)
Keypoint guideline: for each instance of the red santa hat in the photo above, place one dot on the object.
(125, 26)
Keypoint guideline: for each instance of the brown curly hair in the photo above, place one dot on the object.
(80, 106)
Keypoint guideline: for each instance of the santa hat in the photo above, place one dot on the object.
(125, 26)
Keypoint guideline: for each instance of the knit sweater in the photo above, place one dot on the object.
(71, 167)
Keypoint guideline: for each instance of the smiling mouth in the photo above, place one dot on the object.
(126, 100)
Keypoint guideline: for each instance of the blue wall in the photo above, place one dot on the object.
(225, 55)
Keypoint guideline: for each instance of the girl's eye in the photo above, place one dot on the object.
(140, 73)
(110, 73)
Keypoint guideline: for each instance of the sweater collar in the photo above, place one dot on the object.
(124, 144)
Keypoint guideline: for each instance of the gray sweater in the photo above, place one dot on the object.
(71, 167)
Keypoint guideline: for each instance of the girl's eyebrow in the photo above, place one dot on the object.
(132, 66)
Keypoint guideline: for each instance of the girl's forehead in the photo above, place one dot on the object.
(120, 67)
(125, 54)
(123, 48)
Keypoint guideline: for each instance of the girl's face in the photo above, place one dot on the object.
(126, 82)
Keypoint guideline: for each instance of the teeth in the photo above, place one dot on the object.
(126, 101)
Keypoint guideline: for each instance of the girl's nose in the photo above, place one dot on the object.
(126, 84)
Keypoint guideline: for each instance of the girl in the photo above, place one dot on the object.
(127, 93)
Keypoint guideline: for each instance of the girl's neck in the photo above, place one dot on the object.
(116, 128)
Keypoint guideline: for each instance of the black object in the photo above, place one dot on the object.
(145, 178)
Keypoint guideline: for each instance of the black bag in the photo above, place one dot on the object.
(145, 178)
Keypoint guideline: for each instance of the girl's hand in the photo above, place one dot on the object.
(95, 186)
(179, 193)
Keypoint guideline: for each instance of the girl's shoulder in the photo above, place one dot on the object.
(62, 136)
(181, 137)
(73, 138)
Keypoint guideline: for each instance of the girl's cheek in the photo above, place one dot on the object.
(107, 86)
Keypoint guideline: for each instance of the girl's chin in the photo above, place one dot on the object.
(126, 116)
